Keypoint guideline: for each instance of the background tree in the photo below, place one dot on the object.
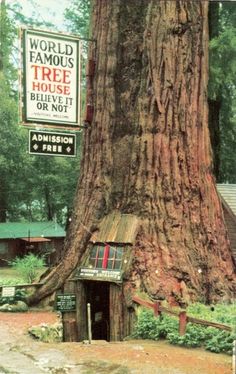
(148, 151)
(222, 89)
(31, 187)
(214, 101)
(77, 20)
(10, 136)
(77, 17)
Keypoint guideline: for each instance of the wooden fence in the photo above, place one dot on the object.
(183, 317)
(18, 286)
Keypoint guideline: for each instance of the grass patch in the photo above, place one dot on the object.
(11, 277)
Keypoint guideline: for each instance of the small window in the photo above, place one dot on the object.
(106, 257)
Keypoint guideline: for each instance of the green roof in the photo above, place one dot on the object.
(14, 230)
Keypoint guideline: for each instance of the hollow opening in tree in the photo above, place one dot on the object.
(101, 277)
(98, 297)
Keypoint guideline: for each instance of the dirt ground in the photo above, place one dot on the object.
(21, 354)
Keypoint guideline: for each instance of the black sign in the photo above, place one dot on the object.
(52, 143)
(66, 302)
(100, 274)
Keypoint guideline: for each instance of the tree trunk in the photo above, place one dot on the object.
(48, 203)
(147, 151)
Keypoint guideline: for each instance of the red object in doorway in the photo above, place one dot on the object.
(105, 257)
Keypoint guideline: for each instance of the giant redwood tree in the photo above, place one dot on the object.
(147, 152)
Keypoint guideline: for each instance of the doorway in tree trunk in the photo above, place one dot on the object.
(98, 297)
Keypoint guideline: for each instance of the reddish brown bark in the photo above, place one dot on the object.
(147, 151)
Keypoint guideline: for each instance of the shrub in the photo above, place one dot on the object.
(146, 326)
(47, 333)
(222, 313)
(220, 341)
(194, 336)
(150, 327)
(28, 266)
(17, 306)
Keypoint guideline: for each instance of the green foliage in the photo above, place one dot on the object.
(28, 266)
(150, 327)
(50, 190)
(222, 313)
(77, 17)
(212, 339)
(17, 306)
(10, 138)
(8, 32)
(32, 187)
(10, 282)
(35, 20)
(11, 158)
(194, 336)
(78, 22)
(222, 53)
(219, 341)
(47, 333)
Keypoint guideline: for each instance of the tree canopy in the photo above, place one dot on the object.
(222, 87)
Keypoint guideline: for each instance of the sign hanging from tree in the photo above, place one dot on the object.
(52, 143)
(51, 78)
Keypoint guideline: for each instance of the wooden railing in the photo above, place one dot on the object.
(183, 317)
(26, 285)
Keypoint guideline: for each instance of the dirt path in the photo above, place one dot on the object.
(20, 354)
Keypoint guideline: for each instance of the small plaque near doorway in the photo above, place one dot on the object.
(65, 302)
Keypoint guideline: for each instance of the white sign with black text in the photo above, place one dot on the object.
(51, 78)
(8, 291)
(52, 143)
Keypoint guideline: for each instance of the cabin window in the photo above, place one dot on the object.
(106, 257)
(3, 247)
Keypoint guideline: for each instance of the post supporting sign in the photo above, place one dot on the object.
(51, 78)
(52, 143)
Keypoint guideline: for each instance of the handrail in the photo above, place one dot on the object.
(29, 285)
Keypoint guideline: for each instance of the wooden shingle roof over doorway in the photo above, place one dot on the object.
(116, 228)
